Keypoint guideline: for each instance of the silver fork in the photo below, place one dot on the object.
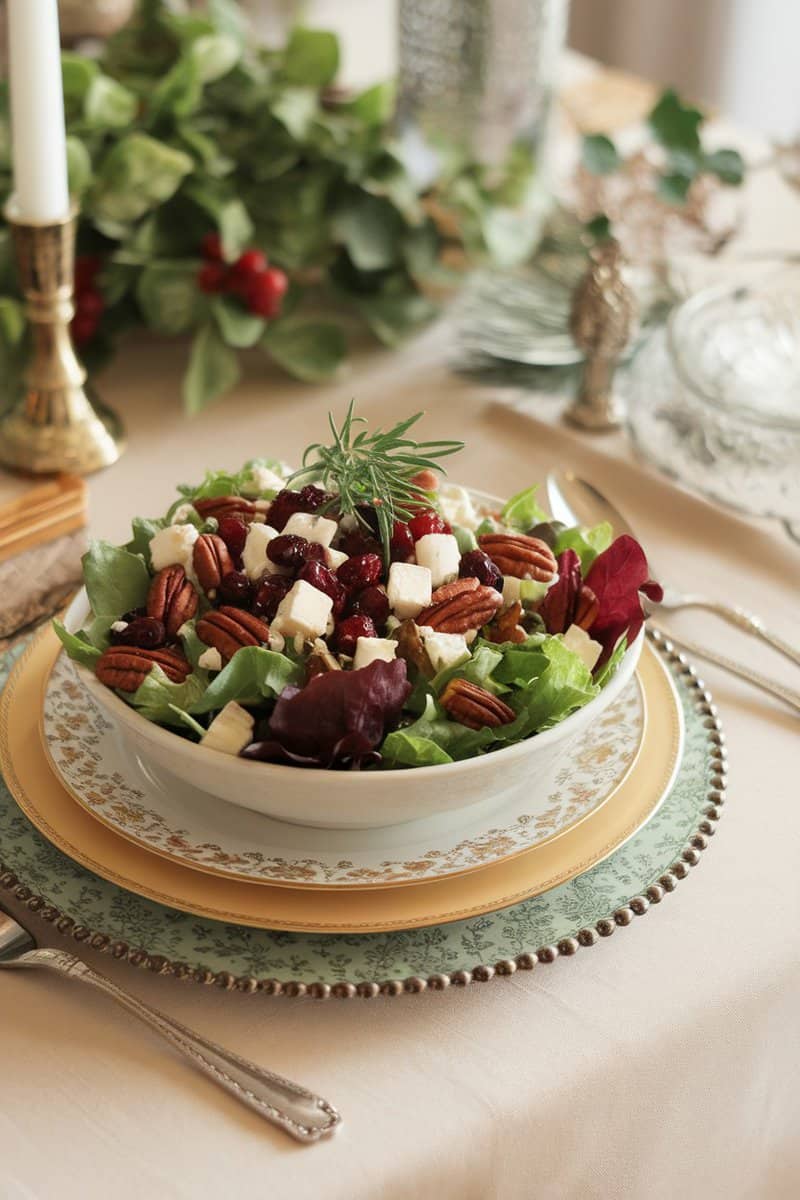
(300, 1113)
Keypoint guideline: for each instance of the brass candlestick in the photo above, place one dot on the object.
(602, 319)
(54, 426)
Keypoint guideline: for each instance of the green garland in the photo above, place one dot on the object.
(181, 128)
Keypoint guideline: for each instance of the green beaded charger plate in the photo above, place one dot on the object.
(558, 922)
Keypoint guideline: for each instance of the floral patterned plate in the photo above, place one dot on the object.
(202, 832)
(579, 913)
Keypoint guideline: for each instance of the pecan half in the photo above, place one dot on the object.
(473, 706)
(226, 506)
(227, 629)
(172, 598)
(586, 608)
(125, 667)
(506, 627)
(212, 561)
(460, 606)
(519, 555)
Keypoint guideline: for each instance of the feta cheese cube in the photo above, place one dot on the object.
(444, 649)
(304, 610)
(409, 589)
(313, 529)
(578, 640)
(174, 544)
(438, 552)
(210, 659)
(254, 555)
(335, 558)
(457, 507)
(263, 479)
(230, 731)
(373, 649)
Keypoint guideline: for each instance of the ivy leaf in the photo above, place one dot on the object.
(675, 124)
(599, 154)
(727, 165)
(168, 297)
(213, 370)
(237, 327)
(311, 57)
(235, 228)
(296, 108)
(79, 166)
(309, 350)
(12, 320)
(77, 73)
(215, 55)
(394, 317)
(370, 229)
(673, 187)
(108, 105)
(375, 106)
(136, 175)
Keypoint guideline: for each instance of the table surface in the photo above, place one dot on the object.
(661, 1062)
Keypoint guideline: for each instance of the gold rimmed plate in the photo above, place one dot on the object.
(196, 830)
(67, 825)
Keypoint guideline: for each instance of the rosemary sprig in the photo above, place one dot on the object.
(374, 469)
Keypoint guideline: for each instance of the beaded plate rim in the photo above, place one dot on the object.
(621, 917)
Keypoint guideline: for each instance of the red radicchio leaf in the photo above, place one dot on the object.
(337, 719)
(558, 606)
(616, 577)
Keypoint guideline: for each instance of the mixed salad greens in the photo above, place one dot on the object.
(360, 612)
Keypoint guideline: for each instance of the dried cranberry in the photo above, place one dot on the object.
(348, 631)
(477, 564)
(308, 499)
(356, 542)
(325, 581)
(146, 633)
(426, 521)
(361, 571)
(314, 552)
(402, 542)
(234, 534)
(270, 592)
(236, 589)
(373, 603)
(287, 550)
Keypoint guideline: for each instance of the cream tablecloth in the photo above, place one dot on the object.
(662, 1062)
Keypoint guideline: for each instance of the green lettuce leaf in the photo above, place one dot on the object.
(587, 543)
(522, 510)
(229, 483)
(144, 528)
(609, 667)
(562, 685)
(157, 698)
(405, 749)
(252, 675)
(405, 746)
(77, 646)
(116, 580)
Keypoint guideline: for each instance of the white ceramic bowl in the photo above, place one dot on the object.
(353, 799)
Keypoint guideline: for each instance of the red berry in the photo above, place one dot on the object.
(373, 603)
(234, 534)
(325, 581)
(402, 542)
(360, 571)
(211, 247)
(236, 589)
(426, 521)
(348, 631)
(247, 267)
(90, 303)
(86, 268)
(212, 277)
(270, 592)
(287, 550)
(83, 329)
(265, 292)
(146, 633)
(481, 567)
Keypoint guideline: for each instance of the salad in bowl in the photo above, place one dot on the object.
(358, 614)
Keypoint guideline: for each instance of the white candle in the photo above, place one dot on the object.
(37, 111)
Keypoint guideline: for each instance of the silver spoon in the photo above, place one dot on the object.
(300, 1113)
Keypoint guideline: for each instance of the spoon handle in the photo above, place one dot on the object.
(303, 1115)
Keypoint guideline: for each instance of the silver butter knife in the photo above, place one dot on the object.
(575, 501)
(292, 1108)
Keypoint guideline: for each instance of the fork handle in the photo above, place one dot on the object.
(770, 686)
(750, 624)
(303, 1115)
